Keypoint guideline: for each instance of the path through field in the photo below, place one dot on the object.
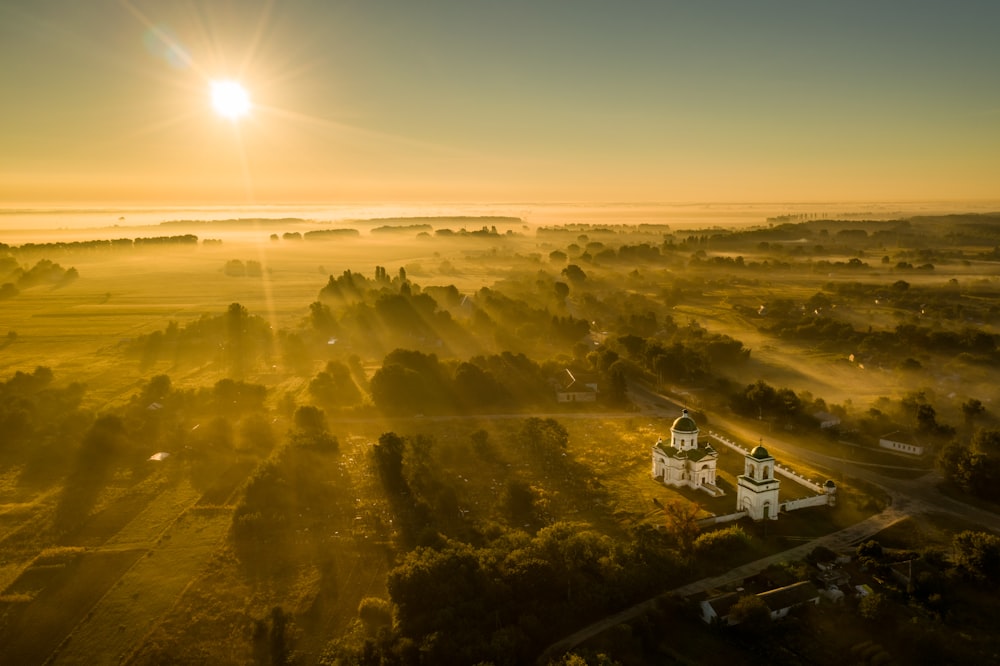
(93, 598)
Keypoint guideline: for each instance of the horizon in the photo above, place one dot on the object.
(18, 224)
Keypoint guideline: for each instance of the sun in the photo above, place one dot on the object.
(230, 99)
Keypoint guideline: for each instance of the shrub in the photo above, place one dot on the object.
(375, 612)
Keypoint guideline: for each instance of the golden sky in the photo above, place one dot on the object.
(108, 101)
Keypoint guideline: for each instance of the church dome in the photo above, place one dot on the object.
(760, 453)
(684, 423)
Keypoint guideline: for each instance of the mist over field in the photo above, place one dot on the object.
(24, 224)
(240, 438)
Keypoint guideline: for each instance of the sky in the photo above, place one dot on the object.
(107, 101)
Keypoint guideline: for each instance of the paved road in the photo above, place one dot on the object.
(843, 539)
(907, 497)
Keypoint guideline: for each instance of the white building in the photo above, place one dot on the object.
(826, 419)
(893, 443)
(779, 602)
(757, 489)
(684, 462)
(571, 389)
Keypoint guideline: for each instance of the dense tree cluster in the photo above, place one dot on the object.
(975, 467)
(331, 234)
(335, 386)
(682, 354)
(38, 418)
(238, 268)
(411, 382)
(499, 602)
(88, 246)
(286, 496)
(236, 340)
(44, 272)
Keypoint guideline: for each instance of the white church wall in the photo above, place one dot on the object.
(818, 500)
(786, 472)
(719, 520)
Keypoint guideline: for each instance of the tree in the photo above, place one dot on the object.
(103, 442)
(334, 386)
(321, 318)
(478, 388)
(971, 409)
(926, 419)
(873, 607)
(870, 548)
(722, 544)
(398, 390)
(389, 460)
(978, 555)
(236, 338)
(311, 429)
(237, 397)
(519, 500)
(574, 273)
(235, 268)
(617, 390)
(561, 290)
(976, 468)
(682, 523)
(545, 435)
(751, 613)
(157, 389)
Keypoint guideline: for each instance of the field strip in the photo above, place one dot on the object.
(21, 537)
(156, 517)
(117, 624)
(33, 629)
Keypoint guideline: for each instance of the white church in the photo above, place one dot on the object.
(686, 462)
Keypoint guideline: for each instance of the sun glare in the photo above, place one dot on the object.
(230, 99)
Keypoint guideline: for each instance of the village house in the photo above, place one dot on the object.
(826, 419)
(570, 388)
(779, 602)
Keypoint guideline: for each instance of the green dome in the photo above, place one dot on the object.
(684, 423)
(760, 453)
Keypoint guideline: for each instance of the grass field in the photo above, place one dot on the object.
(150, 574)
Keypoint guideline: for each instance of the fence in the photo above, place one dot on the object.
(787, 472)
